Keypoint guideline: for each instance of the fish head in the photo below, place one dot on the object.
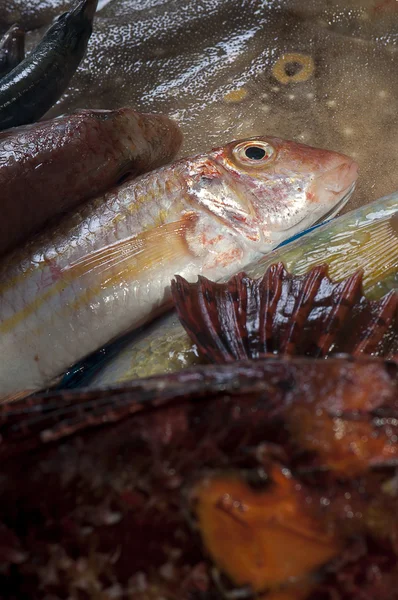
(268, 189)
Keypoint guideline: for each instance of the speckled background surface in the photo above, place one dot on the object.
(222, 69)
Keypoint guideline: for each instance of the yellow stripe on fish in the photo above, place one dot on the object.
(8, 325)
(107, 267)
(115, 264)
(126, 259)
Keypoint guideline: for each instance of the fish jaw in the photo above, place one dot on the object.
(319, 214)
(289, 189)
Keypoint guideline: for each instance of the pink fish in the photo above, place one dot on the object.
(107, 268)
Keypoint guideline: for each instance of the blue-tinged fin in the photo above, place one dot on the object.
(301, 233)
(81, 373)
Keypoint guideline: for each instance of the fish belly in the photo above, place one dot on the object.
(87, 281)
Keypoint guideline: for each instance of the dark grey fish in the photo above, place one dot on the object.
(32, 87)
(12, 49)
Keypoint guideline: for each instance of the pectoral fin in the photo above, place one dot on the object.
(122, 261)
(131, 256)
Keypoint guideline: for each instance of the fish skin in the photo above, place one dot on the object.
(37, 82)
(98, 487)
(12, 49)
(107, 268)
(49, 167)
(164, 346)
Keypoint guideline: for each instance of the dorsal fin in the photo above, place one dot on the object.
(281, 313)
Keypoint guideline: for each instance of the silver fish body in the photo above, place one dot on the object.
(50, 167)
(107, 268)
(366, 238)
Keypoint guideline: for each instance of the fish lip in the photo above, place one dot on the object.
(333, 212)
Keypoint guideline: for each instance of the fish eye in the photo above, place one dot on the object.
(253, 153)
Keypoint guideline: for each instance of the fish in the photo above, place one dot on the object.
(273, 478)
(107, 268)
(366, 238)
(32, 87)
(285, 314)
(254, 459)
(12, 49)
(49, 167)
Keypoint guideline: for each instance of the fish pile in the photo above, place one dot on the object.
(270, 473)
(106, 268)
(366, 239)
(267, 477)
(272, 478)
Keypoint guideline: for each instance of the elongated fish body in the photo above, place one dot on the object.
(366, 238)
(12, 49)
(50, 167)
(29, 90)
(107, 268)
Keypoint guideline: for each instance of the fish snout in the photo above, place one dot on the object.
(331, 190)
(340, 178)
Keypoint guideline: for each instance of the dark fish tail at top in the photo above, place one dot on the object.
(12, 49)
(37, 82)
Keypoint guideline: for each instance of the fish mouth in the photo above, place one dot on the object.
(332, 212)
(337, 208)
(322, 220)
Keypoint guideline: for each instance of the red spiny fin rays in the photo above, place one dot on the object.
(285, 314)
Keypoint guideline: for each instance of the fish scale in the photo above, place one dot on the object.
(69, 160)
(106, 269)
(164, 346)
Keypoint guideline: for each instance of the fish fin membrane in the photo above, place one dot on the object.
(379, 239)
(374, 248)
(129, 257)
(280, 313)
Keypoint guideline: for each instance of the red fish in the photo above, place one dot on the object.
(107, 268)
(50, 167)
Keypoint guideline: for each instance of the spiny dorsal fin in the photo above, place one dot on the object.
(281, 313)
